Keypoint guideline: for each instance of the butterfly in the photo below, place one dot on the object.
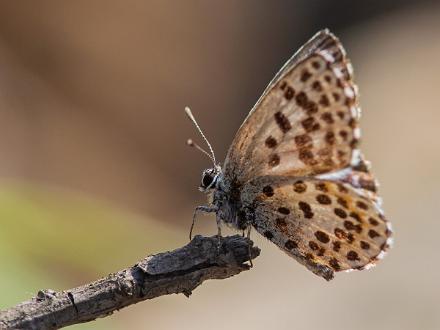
(294, 171)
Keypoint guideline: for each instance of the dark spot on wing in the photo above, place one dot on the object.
(322, 237)
(372, 233)
(327, 117)
(324, 101)
(362, 205)
(323, 199)
(301, 99)
(355, 216)
(321, 186)
(282, 122)
(289, 93)
(311, 107)
(330, 137)
(306, 209)
(271, 142)
(334, 263)
(341, 188)
(373, 221)
(274, 160)
(299, 187)
(284, 210)
(268, 191)
(302, 140)
(344, 135)
(339, 233)
(317, 86)
(352, 123)
(349, 225)
(364, 245)
(352, 255)
(336, 246)
(316, 65)
(341, 201)
(310, 125)
(340, 213)
(313, 245)
(306, 156)
(290, 245)
(305, 75)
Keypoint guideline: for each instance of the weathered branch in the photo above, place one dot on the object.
(178, 271)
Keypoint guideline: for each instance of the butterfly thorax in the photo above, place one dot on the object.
(227, 201)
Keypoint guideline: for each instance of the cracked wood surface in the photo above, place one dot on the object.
(178, 271)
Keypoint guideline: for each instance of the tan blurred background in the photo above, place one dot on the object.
(95, 174)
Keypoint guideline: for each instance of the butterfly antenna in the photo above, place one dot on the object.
(192, 144)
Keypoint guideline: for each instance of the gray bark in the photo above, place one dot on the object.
(178, 271)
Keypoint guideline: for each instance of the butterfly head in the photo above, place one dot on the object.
(210, 177)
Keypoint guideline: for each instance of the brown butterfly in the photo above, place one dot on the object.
(293, 171)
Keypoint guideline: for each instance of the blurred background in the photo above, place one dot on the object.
(95, 174)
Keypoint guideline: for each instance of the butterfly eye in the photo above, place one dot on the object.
(207, 179)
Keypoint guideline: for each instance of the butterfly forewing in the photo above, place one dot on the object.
(305, 124)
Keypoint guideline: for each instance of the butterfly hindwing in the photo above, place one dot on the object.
(326, 225)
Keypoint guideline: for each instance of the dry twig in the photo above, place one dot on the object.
(178, 271)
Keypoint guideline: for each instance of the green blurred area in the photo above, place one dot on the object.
(57, 239)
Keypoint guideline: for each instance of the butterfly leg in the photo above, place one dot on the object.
(203, 208)
(249, 244)
(219, 233)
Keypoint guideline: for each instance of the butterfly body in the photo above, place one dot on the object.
(294, 173)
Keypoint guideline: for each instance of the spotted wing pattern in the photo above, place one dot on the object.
(305, 123)
(326, 225)
(296, 164)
